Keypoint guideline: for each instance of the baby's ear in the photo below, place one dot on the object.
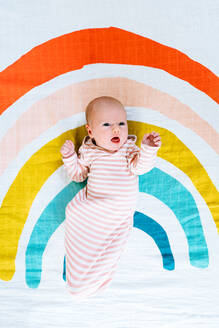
(89, 131)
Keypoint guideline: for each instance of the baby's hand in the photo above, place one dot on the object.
(67, 149)
(152, 139)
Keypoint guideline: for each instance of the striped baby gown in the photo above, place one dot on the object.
(99, 218)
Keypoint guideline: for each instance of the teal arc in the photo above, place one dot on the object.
(157, 183)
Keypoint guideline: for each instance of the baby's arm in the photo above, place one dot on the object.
(76, 166)
(143, 160)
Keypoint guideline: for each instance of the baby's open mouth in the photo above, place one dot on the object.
(115, 139)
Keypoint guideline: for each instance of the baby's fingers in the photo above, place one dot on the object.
(69, 143)
(67, 147)
(157, 138)
(157, 143)
(155, 134)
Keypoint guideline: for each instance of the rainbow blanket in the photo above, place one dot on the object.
(159, 60)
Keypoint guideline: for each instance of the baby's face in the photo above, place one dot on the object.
(108, 126)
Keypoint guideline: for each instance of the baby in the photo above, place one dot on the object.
(99, 218)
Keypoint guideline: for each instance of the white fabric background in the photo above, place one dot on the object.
(142, 293)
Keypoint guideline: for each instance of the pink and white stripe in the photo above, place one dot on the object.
(99, 218)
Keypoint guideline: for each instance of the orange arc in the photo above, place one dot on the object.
(99, 45)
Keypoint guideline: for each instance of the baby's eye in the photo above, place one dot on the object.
(122, 123)
(106, 124)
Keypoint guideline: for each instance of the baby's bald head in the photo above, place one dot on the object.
(99, 104)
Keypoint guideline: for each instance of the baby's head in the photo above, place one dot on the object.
(107, 122)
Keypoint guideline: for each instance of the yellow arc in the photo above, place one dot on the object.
(20, 196)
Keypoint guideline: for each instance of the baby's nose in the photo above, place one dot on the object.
(115, 128)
